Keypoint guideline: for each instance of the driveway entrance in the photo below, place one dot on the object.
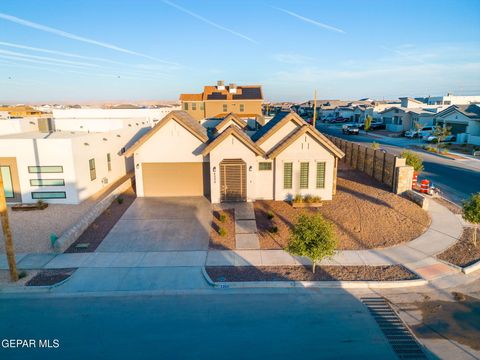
(161, 224)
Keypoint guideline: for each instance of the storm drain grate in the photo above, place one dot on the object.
(398, 335)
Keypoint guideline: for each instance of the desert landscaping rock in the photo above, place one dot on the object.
(50, 277)
(463, 253)
(217, 241)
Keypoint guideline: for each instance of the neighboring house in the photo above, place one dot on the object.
(450, 99)
(220, 100)
(178, 157)
(398, 119)
(22, 111)
(61, 165)
(463, 120)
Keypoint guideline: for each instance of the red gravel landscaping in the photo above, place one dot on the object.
(217, 241)
(365, 215)
(304, 273)
(463, 253)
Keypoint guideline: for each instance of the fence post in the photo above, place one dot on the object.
(383, 167)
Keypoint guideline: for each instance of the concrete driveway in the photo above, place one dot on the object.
(161, 224)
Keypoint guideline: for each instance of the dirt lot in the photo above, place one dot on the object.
(217, 241)
(365, 214)
(304, 273)
(102, 225)
(463, 252)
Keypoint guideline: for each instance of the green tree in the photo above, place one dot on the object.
(313, 237)
(471, 213)
(441, 132)
(413, 160)
(375, 145)
(368, 122)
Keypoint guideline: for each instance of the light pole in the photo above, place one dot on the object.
(7, 233)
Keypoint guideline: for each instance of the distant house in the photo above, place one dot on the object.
(451, 99)
(398, 119)
(220, 100)
(285, 157)
(463, 120)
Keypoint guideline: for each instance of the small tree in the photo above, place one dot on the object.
(471, 213)
(413, 160)
(368, 122)
(441, 132)
(418, 126)
(313, 237)
(375, 145)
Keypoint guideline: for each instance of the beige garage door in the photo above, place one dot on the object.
(175, 179)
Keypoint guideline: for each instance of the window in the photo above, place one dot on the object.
(287, 175)
(185, 106)
(109, 162)
(264, 166)
(194, 106)
(242, 108)
(304, 175)
(320, 175)
(45, 169)
(7, 182)
(47, 182)
(225, 108)
(202, 106)
(93, 173)
(49, 195)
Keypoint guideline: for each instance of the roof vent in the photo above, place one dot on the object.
(220, 85)
(232, 88)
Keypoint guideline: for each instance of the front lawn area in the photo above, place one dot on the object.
(365, 215)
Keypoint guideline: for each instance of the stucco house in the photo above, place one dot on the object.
(463, 120)
(285, 157)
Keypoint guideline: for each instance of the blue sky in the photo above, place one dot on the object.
(126, 50)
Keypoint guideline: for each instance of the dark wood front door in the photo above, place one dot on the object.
(233, 180)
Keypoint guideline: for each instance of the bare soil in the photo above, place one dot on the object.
(463, 252)
(365, 215)
(217, 241)
(50, 277)
(304, 273)
(449, 205)
(454, 320)
(102, 225)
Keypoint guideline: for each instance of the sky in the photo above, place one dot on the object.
(81, 51)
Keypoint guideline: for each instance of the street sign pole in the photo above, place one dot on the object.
(7, 233)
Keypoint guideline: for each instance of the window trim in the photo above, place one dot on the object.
(109, 162)
(40, 180)
(225, 107)
(265, 163)
(290, 180)
(302, 185)
(39, 167)
(185, 106)
(33, 193)
(11, 180)
(93, 170)
(242, 107)
(321, 184)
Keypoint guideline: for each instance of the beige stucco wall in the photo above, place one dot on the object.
(215, 107)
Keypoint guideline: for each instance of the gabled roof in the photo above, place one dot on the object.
(471, 111)
(275, 124)
(237, 133)
(181, 117)
(233, 117)
(305, 129)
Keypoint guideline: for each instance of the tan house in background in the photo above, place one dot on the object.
(220, 100)
(21, 111)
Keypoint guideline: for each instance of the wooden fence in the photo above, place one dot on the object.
(376, 163)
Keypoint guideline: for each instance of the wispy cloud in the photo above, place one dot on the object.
(47, 58)
(292, 58)
(71, 36)
(209, 22)
(311, 21)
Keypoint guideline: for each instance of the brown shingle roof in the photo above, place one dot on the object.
(237, 133)
(191, 97)
(181, 117)
(234, 118)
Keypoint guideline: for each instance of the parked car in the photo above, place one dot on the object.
(377, 125)
(411, 133)
(425, 132)
(434, 139)
(350, 129)
(339, 120)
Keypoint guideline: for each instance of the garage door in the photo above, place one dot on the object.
(175, 179)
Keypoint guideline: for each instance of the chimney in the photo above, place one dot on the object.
(232, 88)
(220, 85)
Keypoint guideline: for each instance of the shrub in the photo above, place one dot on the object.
(270, 215)
(307, 199)
(313, 237)
(375, 145)
(273, 229)
(120, 200)
(22, 274)
(222, 217)
(298, 198)
(471, 213)
(222, 231)
(413, 160)
(316, 199)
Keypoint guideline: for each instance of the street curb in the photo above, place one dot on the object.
(435, 154)
(471, 268)
(314, 284)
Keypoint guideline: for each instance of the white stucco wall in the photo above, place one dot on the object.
(171, 143)
(18, 125)
(304, 149)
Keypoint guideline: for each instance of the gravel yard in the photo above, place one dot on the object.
(365, 214)
(463, 252)
(304, 273)
(50, 277)
(227, 241)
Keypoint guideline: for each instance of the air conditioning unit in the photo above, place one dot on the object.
(104, 181)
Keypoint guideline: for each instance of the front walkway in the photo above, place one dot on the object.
(246, 237)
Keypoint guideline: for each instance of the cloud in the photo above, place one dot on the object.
(292, 58)
(71, 36)
(311, 21)
(209, 22)
(78, 63)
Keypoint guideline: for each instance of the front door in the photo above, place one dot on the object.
(233, 180)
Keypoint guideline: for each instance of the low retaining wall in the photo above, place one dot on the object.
(470, 269)
(417, 198)
(72, 234)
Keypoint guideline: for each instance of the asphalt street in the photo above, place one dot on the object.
(244, 325)
(457, 179)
